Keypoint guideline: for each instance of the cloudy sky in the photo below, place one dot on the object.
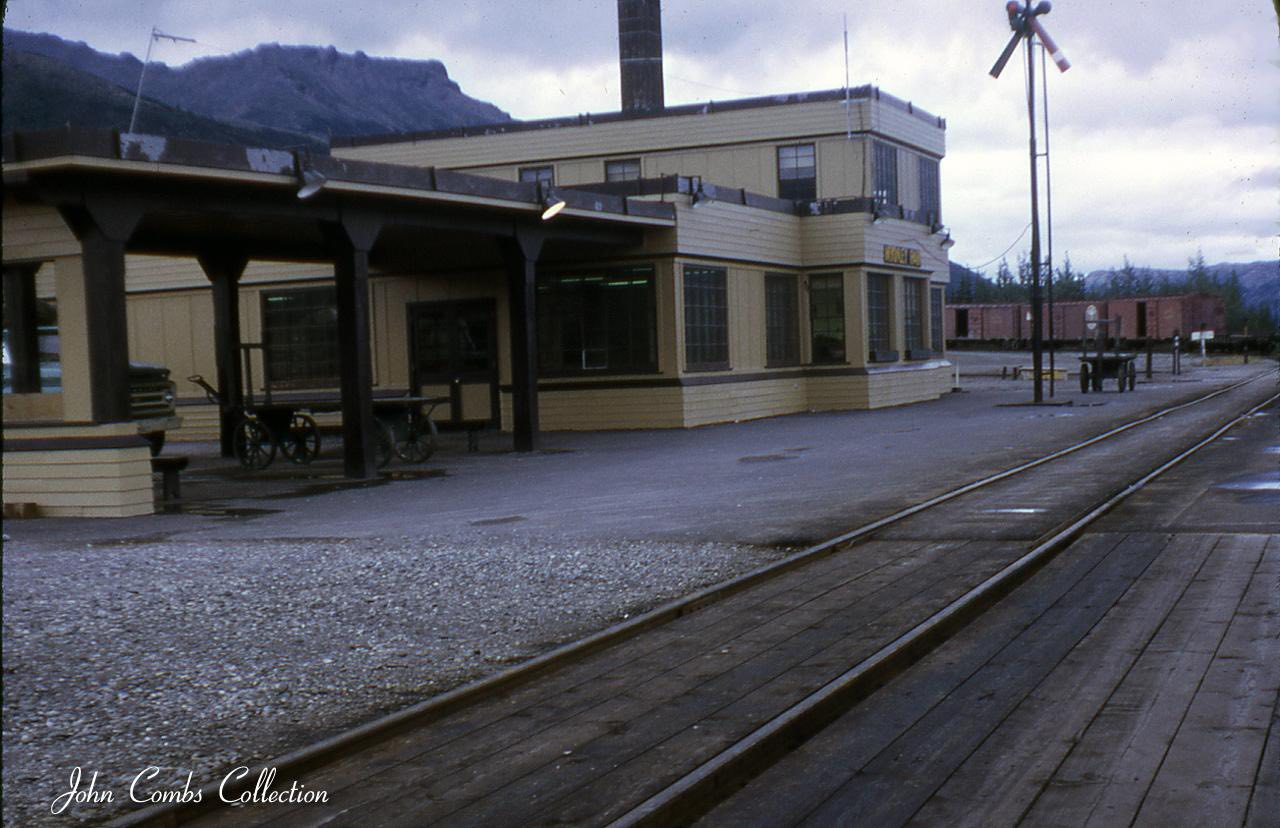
(1165, 132)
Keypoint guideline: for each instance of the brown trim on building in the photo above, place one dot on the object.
(866, 92)
(74, 443)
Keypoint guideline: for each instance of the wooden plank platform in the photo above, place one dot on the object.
(1145, 693)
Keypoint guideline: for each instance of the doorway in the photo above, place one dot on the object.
(453, 352)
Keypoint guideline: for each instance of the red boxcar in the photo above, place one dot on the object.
(1158, 317)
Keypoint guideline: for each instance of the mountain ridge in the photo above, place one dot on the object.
(318, 92)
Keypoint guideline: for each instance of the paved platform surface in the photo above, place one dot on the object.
(1134, 681)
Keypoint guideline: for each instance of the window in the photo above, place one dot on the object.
(913, 294)
(930, 191)
(300, 337)
(826, 317)
(626, 169)
(706, 318)
(879, 327)
(886, 173)
(797, 172)
(935, 320)
(538, 175)
(781, 319)
(601, 322)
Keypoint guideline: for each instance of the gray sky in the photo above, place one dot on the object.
(1165, 132)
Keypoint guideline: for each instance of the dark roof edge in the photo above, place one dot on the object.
(866, 92)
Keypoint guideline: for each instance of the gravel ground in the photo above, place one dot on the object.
(200, 657)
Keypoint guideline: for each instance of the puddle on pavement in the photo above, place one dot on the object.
(765, 458)
(215, 510)
(139, 540)
(498, 521)
(1264, 482)
(1014, 510)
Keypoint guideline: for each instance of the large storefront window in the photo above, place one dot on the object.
(935, 319)
(781, 319)
(913, 297)
(826, 317)
(300, 337)
(879, 316)
(597, 322)
(706, 318)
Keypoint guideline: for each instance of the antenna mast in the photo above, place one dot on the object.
(848, 111)
(155, 35)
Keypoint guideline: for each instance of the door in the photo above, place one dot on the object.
(453, 353)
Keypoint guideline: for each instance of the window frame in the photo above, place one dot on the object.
(781, 322)
(937, 307)
(556, 303)
(706, 323)
(885, 174)
(614, 163)
(930, 189)
(825, 282)
(791, 185)
(880, 317)
(914, 298)
(305, 343)
(538, 174)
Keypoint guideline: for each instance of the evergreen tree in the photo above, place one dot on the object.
(1068, 283)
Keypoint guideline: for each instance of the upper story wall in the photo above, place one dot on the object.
(734, 147)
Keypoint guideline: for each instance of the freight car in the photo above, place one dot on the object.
(1157, 317)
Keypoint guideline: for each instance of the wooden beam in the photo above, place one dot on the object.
(20, 319)
(351, 240)
(224, 271)
(521, 253)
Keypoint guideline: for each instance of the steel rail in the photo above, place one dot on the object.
(327, 750)
(702, 788)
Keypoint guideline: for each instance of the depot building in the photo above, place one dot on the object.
(657, 267)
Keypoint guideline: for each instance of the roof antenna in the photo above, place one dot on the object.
(137, 98)
(848, 112)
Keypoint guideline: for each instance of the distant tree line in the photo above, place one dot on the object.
(972, 287)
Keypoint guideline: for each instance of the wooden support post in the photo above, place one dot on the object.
(107, 326)
(521, 253)
(224, 271)
(103, 225)
(20, 318)
(351, 240)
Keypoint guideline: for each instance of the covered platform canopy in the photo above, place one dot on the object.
(226, 205)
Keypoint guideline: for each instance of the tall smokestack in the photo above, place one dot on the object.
(640, 54)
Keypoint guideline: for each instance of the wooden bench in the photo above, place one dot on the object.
(169, 466)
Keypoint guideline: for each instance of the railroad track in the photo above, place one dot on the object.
(654, 729)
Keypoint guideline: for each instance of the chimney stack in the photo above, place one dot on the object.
(640, 55)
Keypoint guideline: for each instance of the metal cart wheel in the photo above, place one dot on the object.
(419, 442)
(255, 446)
(301, 443)
(384, 444)
(1084, 378)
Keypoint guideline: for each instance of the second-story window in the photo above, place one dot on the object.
(623, 169)
(886, 173)
(538, 175)
(930, 191)
(797, 172)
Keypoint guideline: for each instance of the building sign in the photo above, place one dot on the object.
(901, 256)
